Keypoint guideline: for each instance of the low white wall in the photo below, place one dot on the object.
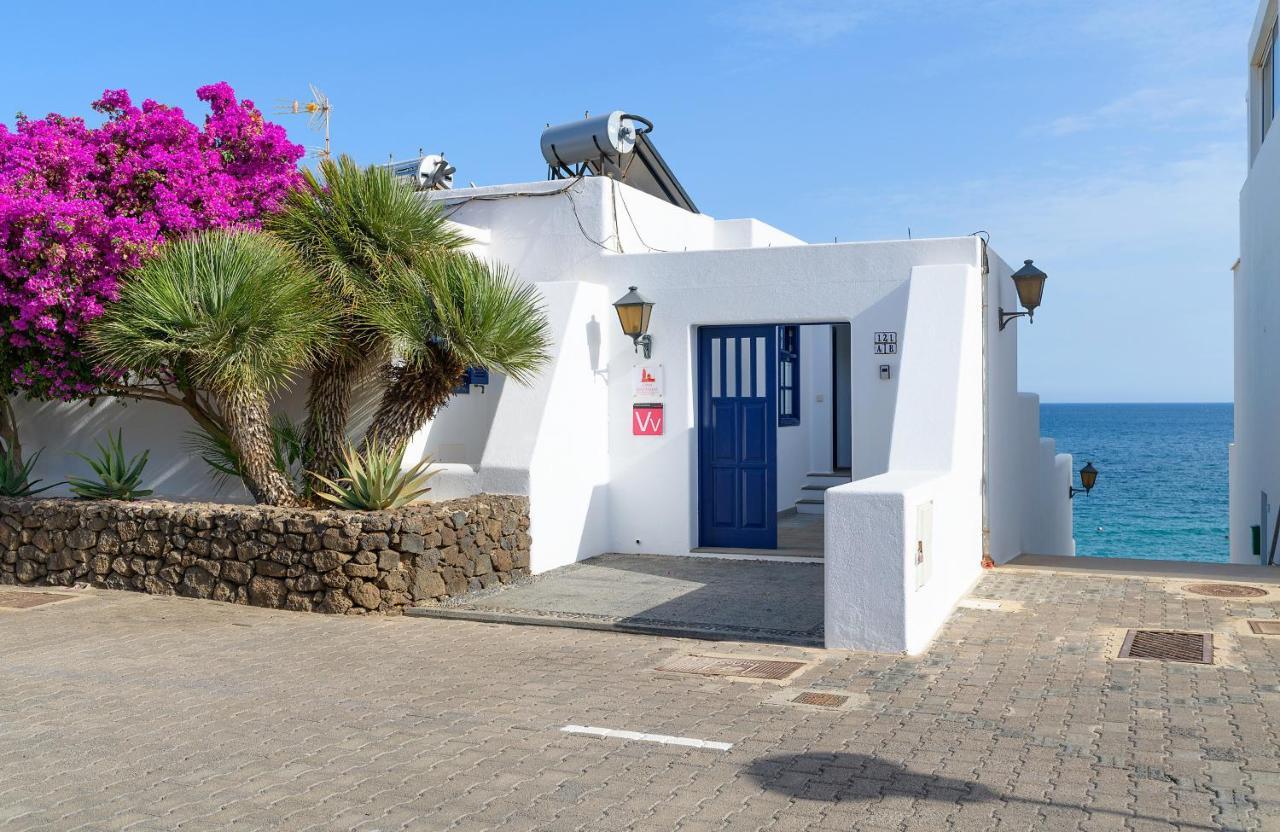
(874, 597)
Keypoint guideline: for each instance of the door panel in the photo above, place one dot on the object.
(737, 438)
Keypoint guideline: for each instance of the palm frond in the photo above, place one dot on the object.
(233, 310)
(349, 222)
(476, 310)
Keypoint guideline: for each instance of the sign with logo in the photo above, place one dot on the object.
(646, 420)
(646, 382)
(886, 343)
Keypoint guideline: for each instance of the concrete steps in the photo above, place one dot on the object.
(812, 492)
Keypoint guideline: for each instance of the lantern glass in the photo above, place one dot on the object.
(1088, 476)
(1029, 281)
(634, 313)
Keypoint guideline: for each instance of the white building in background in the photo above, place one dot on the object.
(1255, 454)
(867, 381)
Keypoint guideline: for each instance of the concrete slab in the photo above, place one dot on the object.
(740, 600)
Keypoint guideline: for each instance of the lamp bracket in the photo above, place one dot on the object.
(644, 343)
(1072, 491)
(1005, 317)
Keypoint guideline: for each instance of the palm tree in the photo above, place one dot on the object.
(233, 313)
(444, 313)
(350, 224)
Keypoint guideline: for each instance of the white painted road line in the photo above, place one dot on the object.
(636, 735)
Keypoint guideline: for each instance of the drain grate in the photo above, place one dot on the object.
(823, 700)
(743, 668)
(1168, 645)
(27, 600)
(1265, 627)
(1226, 590)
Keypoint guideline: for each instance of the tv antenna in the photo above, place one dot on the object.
(317, 110)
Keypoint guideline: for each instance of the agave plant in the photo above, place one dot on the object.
(15, 475)
(372, 480)
(118, 479)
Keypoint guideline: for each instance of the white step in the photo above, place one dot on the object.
(809, 505)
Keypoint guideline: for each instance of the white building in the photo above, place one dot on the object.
(1255, 454)
(793, 379)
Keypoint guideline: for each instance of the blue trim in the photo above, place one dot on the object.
(788, 376)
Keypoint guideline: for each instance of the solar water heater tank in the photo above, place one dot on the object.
(608, 136)
(427, 173)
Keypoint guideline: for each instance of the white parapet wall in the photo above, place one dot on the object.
(903, 547)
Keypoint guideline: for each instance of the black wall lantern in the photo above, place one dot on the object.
(1029, 281)
(1088, 478)
(633, 313)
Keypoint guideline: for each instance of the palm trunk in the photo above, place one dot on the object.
(328, 408)
(9, 429)
(412, 398)
(249, 425)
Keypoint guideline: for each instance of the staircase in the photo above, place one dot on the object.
(811, 498)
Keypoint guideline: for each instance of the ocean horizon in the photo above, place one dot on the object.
(1162, 487)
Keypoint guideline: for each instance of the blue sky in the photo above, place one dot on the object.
(1104, 139)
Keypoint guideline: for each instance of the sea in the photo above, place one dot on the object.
(1162, 482)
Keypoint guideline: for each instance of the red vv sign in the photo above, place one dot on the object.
(646, 420)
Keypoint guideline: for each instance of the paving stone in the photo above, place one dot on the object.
(124, 710)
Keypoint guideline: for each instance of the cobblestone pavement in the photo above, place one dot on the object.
(123, 711)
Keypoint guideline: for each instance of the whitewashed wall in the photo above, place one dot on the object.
(1255, 455)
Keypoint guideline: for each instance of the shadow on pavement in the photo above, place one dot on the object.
(841, 777)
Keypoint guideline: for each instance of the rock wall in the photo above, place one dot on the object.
(327, 561)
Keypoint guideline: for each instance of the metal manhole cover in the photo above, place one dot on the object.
(823, 700)
(743, 668)
(1226, 590)
(26, 600)
(1168, 645)
(1265, 627)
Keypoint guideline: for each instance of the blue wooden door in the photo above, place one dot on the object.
(737, 437)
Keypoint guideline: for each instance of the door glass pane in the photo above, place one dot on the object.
(715, 368)
(731, 367)
(761, 369)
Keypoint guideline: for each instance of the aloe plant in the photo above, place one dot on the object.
(372, 480)
(117, 479)
(15, 475)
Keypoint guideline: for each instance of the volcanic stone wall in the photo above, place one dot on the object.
(326, 561)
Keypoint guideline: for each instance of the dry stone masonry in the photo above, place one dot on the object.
(326, 561)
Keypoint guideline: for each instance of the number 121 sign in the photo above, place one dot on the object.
(646, 420)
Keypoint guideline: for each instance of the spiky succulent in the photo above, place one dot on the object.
(117, 478)
(15, 475)
(372, 479)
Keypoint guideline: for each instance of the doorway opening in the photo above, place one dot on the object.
(775, 431)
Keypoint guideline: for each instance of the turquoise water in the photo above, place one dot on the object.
(1162, 490)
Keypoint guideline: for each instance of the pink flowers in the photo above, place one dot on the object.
(80, 206)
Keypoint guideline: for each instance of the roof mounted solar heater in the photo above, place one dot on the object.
(616, 145)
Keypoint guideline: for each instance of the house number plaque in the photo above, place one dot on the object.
(886, 343)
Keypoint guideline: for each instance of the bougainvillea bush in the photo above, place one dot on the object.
(81, 205)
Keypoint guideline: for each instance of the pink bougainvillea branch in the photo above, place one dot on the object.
(81, 205)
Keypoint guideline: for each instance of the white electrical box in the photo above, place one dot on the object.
(924, 543)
